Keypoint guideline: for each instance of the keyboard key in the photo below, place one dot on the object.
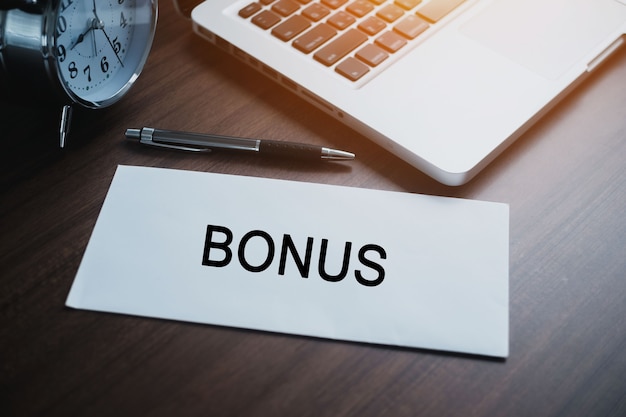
(266, 19)
(334, 4)
(372, 25)
(340, 47)
(390, 13)
(411, 26)
(341, 41)
(249, 10)
(352, 69)
(341, 20)
(372, 55)
(435, 10)
(316, 12)
(314, 38)
(407, 4)
(291, 27)
(390, 41)
(360, 8)
(285, 7)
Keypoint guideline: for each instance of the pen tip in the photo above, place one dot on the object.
(133, 133)
(336, 154)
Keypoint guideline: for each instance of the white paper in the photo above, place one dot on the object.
(440, 264)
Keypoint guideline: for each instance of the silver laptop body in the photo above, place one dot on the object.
(446, 85)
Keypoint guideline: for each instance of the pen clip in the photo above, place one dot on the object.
(150, 142)
(145, 138)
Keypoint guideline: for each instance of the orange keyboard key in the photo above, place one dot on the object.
(352, 69)
(314, 38)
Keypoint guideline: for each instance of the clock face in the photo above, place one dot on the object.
(101, 46)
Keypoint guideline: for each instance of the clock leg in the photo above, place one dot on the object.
(66, 121)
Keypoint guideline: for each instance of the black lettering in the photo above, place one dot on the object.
(289, 249)
(344, 267)
(242, 251)
(61, 26)
(369, 263)
(303, 266)
(209, 244)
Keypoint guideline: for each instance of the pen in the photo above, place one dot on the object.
(196, 142)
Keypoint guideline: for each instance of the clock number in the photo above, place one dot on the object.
(65, 4)
(73, 70)
(87, 71)
(104, 64)
(116, 45)
(123, 21)
(61, 53)
(61, 26)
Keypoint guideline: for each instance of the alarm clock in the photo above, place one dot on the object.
(73, 52)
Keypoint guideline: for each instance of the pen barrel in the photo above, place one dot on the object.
(290, 149)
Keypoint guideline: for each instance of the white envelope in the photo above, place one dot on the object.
(308, 259)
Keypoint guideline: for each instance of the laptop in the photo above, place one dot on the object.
(445, 85)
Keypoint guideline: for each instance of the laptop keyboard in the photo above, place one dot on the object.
(351, 36)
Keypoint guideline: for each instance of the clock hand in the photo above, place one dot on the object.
(93, 37)
(100, 25)
(93, 43)
(92, 25)
(112, 46)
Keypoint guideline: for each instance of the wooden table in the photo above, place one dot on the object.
(565, 181)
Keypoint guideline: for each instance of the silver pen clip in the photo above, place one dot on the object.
(145, 137)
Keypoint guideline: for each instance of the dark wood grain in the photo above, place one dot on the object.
(565, 181)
